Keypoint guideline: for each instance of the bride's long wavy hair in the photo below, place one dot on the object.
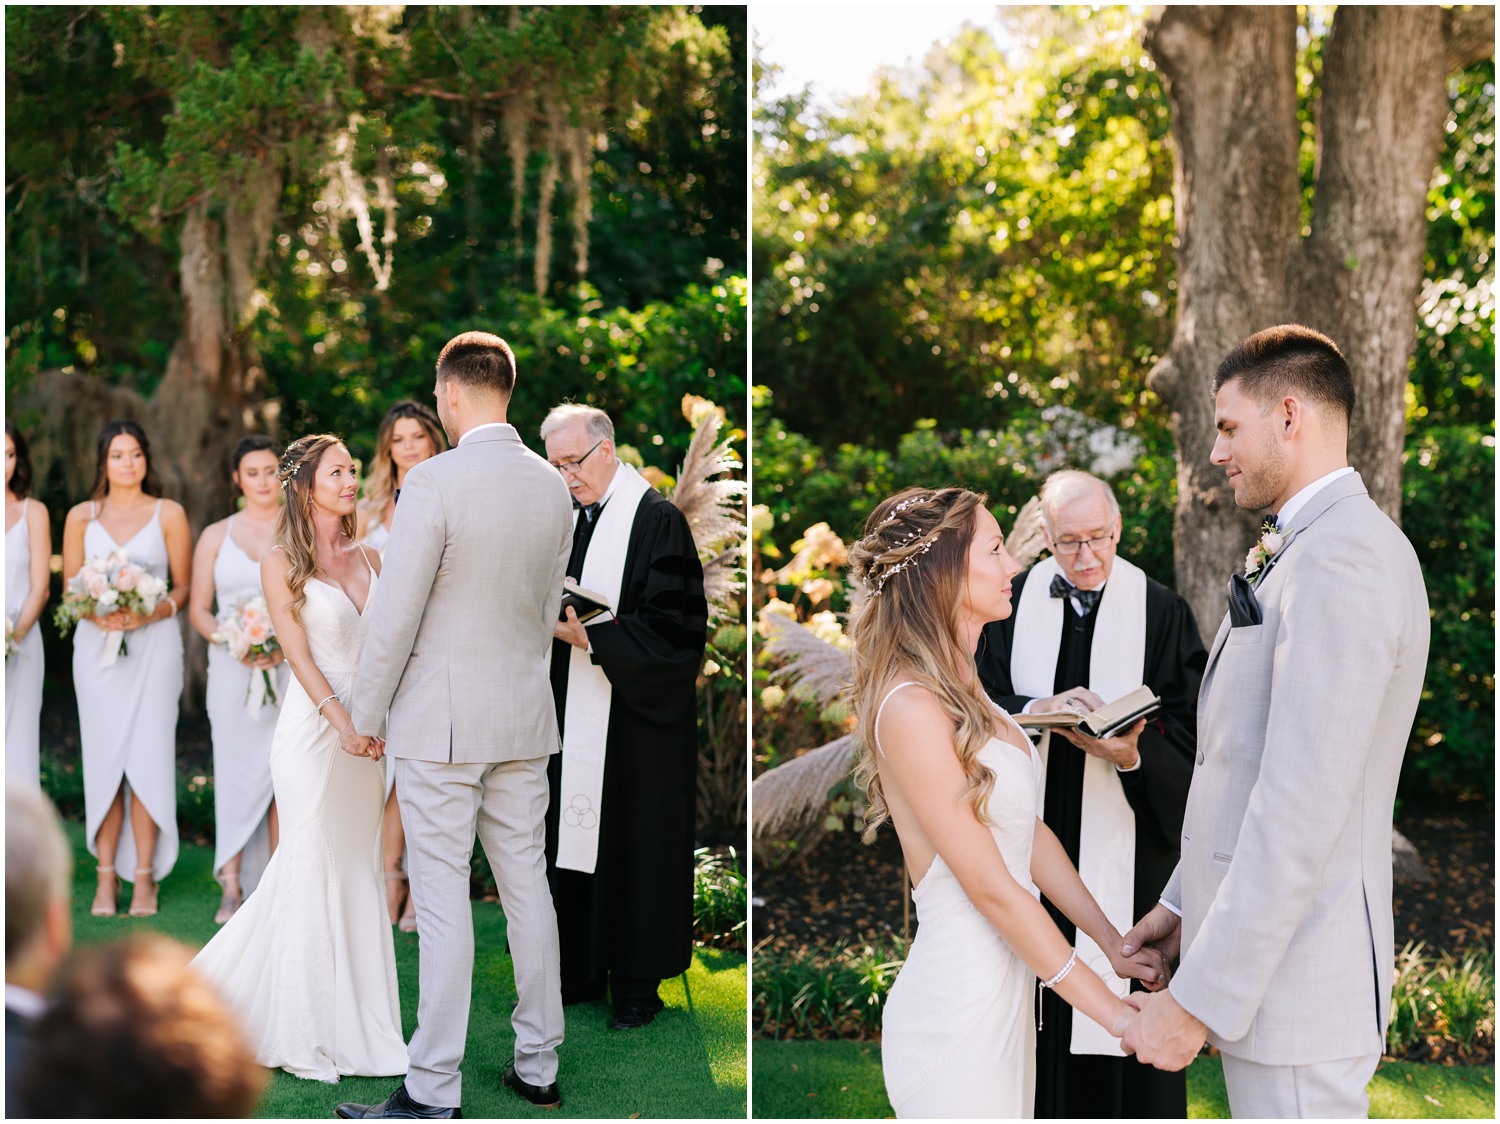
(295, 532)
(914, 563)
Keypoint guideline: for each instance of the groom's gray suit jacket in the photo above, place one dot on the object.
(1285, 878)
(462, 620)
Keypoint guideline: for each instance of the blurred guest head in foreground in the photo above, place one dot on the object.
(134, 1031)
(38, 926)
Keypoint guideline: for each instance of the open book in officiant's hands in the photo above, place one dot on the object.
(586, 603)
(1105, 722)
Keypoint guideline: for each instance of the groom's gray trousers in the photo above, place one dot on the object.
(1323, 1091)
(442, 806)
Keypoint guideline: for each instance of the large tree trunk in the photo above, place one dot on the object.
(1231, 77)
(1242, 263)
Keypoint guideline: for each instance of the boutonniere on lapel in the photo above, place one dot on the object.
(1271, 543)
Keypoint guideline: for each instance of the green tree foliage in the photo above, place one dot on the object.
(954, 269)
(972, 239)
(1448, 507)
(429, 168)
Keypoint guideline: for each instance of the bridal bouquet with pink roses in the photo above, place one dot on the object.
(246, 633)
(104, 585)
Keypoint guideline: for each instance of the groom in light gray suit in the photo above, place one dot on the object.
(1284, 887)
(460, 629)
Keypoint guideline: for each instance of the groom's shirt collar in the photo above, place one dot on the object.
(1299, 501)
(486, 425)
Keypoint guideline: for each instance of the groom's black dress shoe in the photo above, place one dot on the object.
(398, 1105)
(543, 1096)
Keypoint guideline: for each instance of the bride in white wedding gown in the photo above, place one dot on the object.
(308, 962)
(959, 780)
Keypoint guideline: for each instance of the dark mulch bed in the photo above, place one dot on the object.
(844, 890)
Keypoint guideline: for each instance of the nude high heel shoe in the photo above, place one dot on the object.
(111, 906)
(138, 907)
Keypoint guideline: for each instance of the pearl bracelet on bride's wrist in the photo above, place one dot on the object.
(1053, 982)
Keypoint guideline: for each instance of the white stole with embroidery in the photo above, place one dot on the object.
(1117, 662)
(586, 708)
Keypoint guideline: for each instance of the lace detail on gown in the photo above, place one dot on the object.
(308, 961)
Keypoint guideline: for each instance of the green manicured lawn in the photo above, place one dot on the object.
(842, 1079)
(690, 1062)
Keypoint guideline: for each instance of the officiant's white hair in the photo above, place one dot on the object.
(597, 420)
(1068, 482)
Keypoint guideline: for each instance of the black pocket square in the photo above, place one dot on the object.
(1244, 609)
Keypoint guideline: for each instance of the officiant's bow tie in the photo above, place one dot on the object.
(1087, 598)
(590, 511)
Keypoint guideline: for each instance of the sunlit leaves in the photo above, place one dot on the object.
(975, 204)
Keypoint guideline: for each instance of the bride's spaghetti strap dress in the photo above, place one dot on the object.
(959, 1039)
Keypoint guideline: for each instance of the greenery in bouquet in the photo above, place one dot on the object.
(11, 646)
(107, 585)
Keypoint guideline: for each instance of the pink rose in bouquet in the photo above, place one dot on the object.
(246, 633)
(104, 585)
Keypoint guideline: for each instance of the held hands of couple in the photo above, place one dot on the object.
(361, 745)
(1145, 964)
(1164, 1035)
(1161, 931)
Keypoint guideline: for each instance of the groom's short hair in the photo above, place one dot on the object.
(1290, 359)
(479, 361)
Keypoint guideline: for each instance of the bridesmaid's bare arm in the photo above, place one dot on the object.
(74, 527)
(39, 535)
(201, 598)
(174, 528)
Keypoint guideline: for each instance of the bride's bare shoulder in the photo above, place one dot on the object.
(276, 563)
(908, 708)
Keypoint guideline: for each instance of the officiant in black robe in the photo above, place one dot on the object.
(1154, 768)
(628, 924)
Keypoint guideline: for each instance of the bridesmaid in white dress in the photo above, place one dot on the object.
(28, 553)
(127, 712)
(409, 434)
(961, 784)
(226, 570)
(308, 962)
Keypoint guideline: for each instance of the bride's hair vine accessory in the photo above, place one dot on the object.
(885, 575)
(893, 557)
(291, 461)
(891, 515)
